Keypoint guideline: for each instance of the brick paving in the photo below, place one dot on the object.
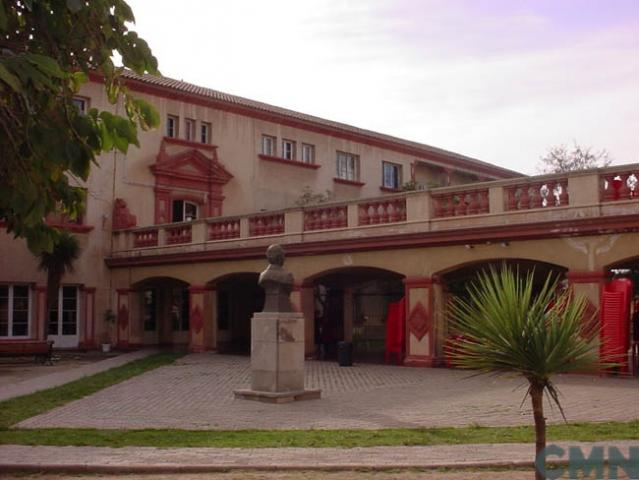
(197, 393)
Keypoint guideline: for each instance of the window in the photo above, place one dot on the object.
(172, 126)
(150, 310)
(391, 175)
(81, 104)
(184, 211)
(63, 317)
(347, 166)
(15, 310)
(268, 145)
(288, 149)
(180, 309)
(189, 127)
(205, 132)
(308, 153)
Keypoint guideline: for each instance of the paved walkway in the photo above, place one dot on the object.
(197, 393)
(156, 460)
(42, 382)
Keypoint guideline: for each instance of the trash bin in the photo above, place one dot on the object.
(345, 354)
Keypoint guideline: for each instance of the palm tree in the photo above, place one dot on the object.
(57, 263)
(510, 329)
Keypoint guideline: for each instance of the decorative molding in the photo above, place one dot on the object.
(419, 321)
(293, 163)
(596, 276)
(416, 282)
(417, 361)
(188, 143)
(192, 170)
(390, 190)
(199, 289)
(123, 317)
(196, 319)
(122, 217)
(353, 183)
(527, 231)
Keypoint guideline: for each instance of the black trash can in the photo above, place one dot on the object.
(345, 354)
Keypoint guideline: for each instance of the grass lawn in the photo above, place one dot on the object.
(15, 410)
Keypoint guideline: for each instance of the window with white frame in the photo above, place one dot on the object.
(15, 310)
(63, 317)
(391, 175)
(205, 132)
(308, 153)
(347, 166)
(172, 123)
(268, 145)
(189, 129)
(288, 149)
(81, 104)
(184, 211)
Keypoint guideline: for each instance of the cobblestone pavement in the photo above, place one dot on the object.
(197, 393)
(191, 460)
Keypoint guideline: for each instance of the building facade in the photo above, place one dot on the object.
(175, 231)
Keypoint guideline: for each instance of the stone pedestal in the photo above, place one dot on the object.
(277, 359)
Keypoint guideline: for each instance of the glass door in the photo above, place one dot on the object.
(63, 319)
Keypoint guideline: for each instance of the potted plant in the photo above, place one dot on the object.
(105, 339)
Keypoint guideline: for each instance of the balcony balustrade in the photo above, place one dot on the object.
(527, 200)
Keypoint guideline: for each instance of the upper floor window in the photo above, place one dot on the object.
(347, 166)
(15, 310)
(184, 211)
(82, 104)
(205, 132)
(288, 149)
(308, 153)
(268, 145)
(172, 123)
(391, 175)
(189, 127)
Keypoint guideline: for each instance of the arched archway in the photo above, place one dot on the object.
(160, 312)
(351, 304)
(238, 297)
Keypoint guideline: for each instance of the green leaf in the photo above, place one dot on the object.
(10, 79)
(46, 65)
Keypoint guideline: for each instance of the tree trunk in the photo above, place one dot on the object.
(537, 396)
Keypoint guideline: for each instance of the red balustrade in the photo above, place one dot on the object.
(145, 238)
(224, 229)
(178, 234)
(457, 204)
(619, 186)
(266, 225)
(382, 211)
(325, 218)
(526, 196)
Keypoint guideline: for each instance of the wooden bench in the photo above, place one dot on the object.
(41, 350)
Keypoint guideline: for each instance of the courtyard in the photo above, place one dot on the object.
(196, 393)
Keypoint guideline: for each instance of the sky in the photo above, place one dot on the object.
(498, 80)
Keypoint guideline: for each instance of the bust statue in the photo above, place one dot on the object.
(276, 282)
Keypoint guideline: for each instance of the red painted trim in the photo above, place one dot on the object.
(587, 277)
(415, 361)
(72, 227)
(3, 223)
(199, 289)
(40, 288)
(390, 190)
(343, 181)
(447, 158)
(284, 161)
(416, 282)
(526, 231)
(124, 291)
(189, 143)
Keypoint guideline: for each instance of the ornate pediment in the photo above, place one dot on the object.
(189, 168)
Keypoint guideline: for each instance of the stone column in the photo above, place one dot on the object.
(420, 331)
(123, 318)
(210, 319)
(590, 285)
(439, 315)
(41, 318)
(88, 337)
(196, 318)
(303, 301)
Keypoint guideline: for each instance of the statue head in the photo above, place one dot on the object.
(275, 255)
